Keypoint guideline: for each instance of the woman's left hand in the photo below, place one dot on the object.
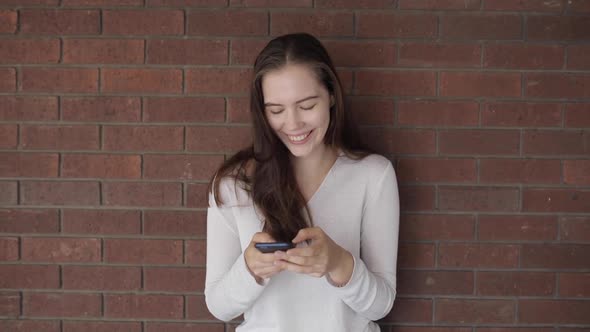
(323, 256)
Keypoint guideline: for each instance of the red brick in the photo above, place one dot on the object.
(110, 3)
(521, 114)
(115, 222)
(8, 193)
(440, 4)
(101, 166)
(517, 228)
(523, 56)
(103, 51)
(477, 84)
(577, 115)
(556, 6)
(81, 326)
(555, 256)
(413, 54)
(9, 304)
(401, 141)
(59, 80)
(395, 83)
(61, 250)
(143, 22)
(435, 282)
(29, 276)
(8, 136)
(26, 51)
(59, 22)
(556, 200)
(9, 246)
(390, 25)
(481, 26)
(186, 3)
(138, 251)
(577, 56)
(217, 23)
(477, 255)
(186, 327)
(244, 51)
(49, 137)
(436, 170)
(574, 284)
(437, 113)
(576, 172)
(474, 311)
(30, 3)
(158, 81)
(479, 142)
(516, 329)
(187, 52)
(218, 80)
(319, 23)
(102, 278)
(553, 311)
(29, 108)
(429, 227)
(7, 80)
(515, 283)
(59, 193)
(579, 6)
(197, 195)
(411, 311)
(354, 4)
(574, 229)
(13, 164)
(188, 167)
(549, 142)
(29, 221)
(217, 139)
(238, 110)
(368, 111)
(558, 28)
(8, 21)
(175, 223)
(174, 279)
(416, 255)
(185, 109)
(30, 325)
(143, 138)
(374, 54)
(101, 109)
(143, 306)
(519, 171)
(61, 305)
(478, 198)
(197, 309)
(558, 85)
(346, 80)
(416, 198)
(195, 252)
(142, 194)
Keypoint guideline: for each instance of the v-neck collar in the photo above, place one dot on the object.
(326, 178)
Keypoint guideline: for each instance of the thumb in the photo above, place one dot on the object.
(303, 235)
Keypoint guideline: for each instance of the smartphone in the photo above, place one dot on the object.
(268, 247)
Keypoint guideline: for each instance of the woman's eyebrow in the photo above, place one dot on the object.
(297, 102)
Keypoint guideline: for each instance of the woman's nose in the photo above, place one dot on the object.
(293, 120)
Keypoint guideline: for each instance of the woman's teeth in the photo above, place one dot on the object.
(298, 138)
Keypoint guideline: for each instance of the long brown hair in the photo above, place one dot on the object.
(264, 169)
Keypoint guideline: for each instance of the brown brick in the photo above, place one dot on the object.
(18, 164)
(59, 22)
(184, 109)
(186, 327)
(188, 167)
(354, 4)
(374, 54)
(319, 23)
(556, 200)
(186, 3)
(112, 222)
(476, 255)
(474, 311)
(440, 5)
(59, 137)
(59, 80)
(9, 304)
(577, 56)
(428, 227)
(515, 283)
(244, 51)
(59, 193)
(553, 311)
(110, 3)
(436, 170)
(519, 171)
(413, 54)
(400, 141)
(30, 2)
(142, 138)
(197, 195)
(555, 256)
(411, 310)
(521, 114)
(133, 81)
(29, 108)
(218, 80)
(143, 22)
(61, 250)
(8, 21)
(579, 6)
(29, 276)
(516, 329)
(197, 309)
(416, 255)
(30, 325)
(556, 6)
(137, 251)
(238, 110)
(416, 198)
(7, 80)
(112, 166)
(82, 326)
(576, 172)
(437, 113)
(174, 279)
(368, 111)
(558, 85)
(389, 25)
(103, 51)
(216, 23)
(558, 28)
(477, 84)
(9, 246)
(217, 139)
(479, 142)
(29, 51)
(8, 136)
(142, 194)
(435, 282)
(517, 228)
(195, 252)
(478, 198)
(187, 52)
(574, 284)
(102, 278)
(481, 26)
(143, 306)
(551, 142)
(175, 223)
(101, 109)
(29, 221)
(395, 83)
(61, 305)
(574, 229)
(523, 56)
(577, 115)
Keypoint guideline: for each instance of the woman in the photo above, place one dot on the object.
(305, 180)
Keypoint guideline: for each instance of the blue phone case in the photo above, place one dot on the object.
(267, 247)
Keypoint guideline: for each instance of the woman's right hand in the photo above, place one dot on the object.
(261, 266)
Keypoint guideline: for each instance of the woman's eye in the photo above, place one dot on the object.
(275, 111)
(308, 108)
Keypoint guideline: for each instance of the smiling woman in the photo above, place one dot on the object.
(307, 181)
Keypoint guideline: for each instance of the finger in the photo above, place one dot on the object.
(307, 269)
(304, 252)
(306, 234)
(299, 260)
(267, 258)
(267, 272)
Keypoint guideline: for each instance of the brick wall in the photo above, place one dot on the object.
(113, 115)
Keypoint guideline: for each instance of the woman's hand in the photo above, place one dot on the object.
(261, 265)
(322, 257)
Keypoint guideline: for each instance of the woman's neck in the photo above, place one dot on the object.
(318, 163)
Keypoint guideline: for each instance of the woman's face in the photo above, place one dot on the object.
(297, 107)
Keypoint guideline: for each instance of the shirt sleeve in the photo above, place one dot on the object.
(230, 288)
(371, 289)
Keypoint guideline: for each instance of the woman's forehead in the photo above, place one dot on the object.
(290, 84)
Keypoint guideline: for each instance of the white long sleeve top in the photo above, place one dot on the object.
(357, 205)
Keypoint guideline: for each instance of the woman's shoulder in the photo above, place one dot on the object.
(371, 164)
(232, 191)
